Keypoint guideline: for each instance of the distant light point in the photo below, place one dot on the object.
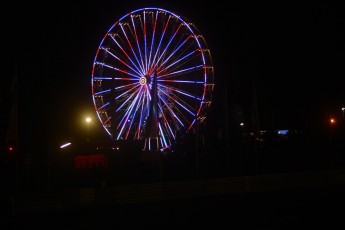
(65, 145)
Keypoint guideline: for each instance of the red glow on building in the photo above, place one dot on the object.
(91, 161)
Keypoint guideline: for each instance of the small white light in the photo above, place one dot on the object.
(65, 145)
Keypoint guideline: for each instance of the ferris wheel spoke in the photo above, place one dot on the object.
(126, 92)
(106, 121)
(127, 114)
(163, 138)
(137, 134)
(172, 114)
(126, 100)
(178, 100)
(116, 69)
(166, 49)
(130, 45)
(125, 53)
(103, 106)
(120, 60)
(158, 49)
(173, 89)
(102, 78)
(145, 40)
(102, 92)
(125, 86)
(176, 64)
(191, 124)
(135, 112)
(166, 122)
(152, 40)
(137, 41)
(181, 116)
(186, 70)
(117, 79)
(162, 67)
(182, 81)
(185, 49)
(172, 103)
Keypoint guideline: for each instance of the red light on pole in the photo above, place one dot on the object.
(332, 121)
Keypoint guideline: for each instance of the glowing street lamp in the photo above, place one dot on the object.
(343, 109)
(88, 121)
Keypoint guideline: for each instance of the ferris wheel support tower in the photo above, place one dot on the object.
(151, 128)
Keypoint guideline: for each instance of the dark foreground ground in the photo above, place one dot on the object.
(278, 201)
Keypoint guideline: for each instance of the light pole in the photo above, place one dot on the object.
(332, 122)
(343, 109)
(88, 121)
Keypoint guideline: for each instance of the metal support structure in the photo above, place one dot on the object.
(151, 130)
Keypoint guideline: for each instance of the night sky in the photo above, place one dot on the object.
(290, 55)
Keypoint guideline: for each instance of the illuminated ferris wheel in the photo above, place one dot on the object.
(152, 78)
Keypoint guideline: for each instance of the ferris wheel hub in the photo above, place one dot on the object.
(143, 80)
